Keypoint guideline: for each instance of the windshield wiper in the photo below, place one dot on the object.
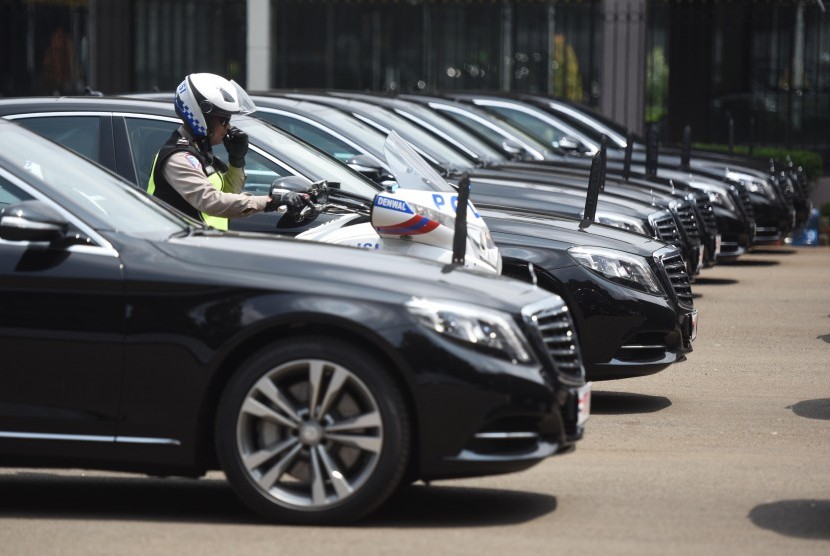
(193, 230)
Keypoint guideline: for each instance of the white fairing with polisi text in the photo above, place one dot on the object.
(414, 217)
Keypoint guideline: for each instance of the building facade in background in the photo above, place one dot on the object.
(758, 69)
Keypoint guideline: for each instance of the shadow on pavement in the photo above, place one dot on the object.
(812, 409)
(807, 519)
(826, 338)
(752, 262)
(42, 495)
(624, 403)
(420, 505)
(773, 252)
(714, 282)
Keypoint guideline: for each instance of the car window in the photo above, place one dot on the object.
(146, 138)
(302, 158)
(538, 128)
(102, 199)
(490, 134)
(82, 134)
(306, 131)
(11, 194)
(148, 135)
(261, 172)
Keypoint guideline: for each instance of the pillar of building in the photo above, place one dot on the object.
(259, 45)
(622, 97)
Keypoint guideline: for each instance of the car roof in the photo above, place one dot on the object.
(109, 103)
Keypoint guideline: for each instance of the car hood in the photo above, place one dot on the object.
(562, 233)
(268, 262)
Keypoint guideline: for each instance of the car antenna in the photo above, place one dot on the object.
(629, 147)
(652, 145)
(459, 240)
(686, 153)
(595, 185)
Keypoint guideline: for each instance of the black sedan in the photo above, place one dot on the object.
(317, 377)
(603, 289)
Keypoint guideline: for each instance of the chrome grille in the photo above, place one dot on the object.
(746, 202)
(557, 333)
(785, 186)
(665, 226)
(707, 213)
(675, 269)
(686, 216)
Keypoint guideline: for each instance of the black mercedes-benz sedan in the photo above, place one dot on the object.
(124, 134)
(317, 377)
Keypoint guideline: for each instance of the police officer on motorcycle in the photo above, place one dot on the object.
(188, 176)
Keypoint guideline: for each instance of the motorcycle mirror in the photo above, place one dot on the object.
(317, 193)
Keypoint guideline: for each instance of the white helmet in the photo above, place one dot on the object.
(205, 94)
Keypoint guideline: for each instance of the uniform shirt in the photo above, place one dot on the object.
(185, 173)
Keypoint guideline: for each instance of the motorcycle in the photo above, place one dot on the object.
(416, 214)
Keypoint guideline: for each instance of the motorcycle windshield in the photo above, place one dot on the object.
(411, 171)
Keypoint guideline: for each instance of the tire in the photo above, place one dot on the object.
(331, 465)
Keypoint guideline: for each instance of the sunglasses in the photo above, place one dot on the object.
(224, 122)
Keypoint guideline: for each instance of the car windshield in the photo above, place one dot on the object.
(385, 120)
(495, 130)
(443, 153)
(410, 169)
(310, 161)
(431, 120)
(99, 197)
(536, 122)
(595, 120)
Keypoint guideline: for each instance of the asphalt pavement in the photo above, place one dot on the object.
(726, 453)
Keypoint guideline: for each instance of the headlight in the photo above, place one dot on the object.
(717, 196)
(619, 221)
(490, 330)
(623, 268)
(722, 199)
(753, 185)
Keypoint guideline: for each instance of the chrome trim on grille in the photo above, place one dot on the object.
(746, 201)
(555, 330)
(673, 268)
(665, 227)
(686, 216)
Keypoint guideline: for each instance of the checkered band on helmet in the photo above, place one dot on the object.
(187, 107)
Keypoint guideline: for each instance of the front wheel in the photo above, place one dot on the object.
(312, 430)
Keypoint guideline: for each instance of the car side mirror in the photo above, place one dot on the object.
(568, 144)
(368, 166)
(32, 221)
(513, 149)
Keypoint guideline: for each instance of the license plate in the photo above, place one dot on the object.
(583, 404)
(693, 325)
(717, 244)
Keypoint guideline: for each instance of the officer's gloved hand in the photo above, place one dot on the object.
(295, 202)
(236, 143)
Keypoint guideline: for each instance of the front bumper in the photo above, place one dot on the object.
(737, 235)
(623, 333)
(504, 417)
